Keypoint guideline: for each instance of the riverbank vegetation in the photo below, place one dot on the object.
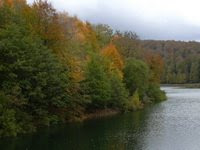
(55, 68)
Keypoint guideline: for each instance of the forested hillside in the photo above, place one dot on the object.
(55, 68)
(182, 60)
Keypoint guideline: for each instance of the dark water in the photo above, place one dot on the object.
(171, 125)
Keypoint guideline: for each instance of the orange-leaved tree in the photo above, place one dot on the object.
(156, 65)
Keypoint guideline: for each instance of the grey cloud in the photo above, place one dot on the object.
(165, 26)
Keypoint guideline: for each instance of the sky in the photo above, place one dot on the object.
(150, 19)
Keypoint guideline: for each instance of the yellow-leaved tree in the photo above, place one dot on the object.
(116, 62)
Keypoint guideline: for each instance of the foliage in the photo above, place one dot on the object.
(134, 102)
(156, 64)
(181, 60)
(96, 83)
(155, 94)
(54, 67)
(103, 34)
(127, 43)
(8, 124)
(136, 76)
(119, 93)
(31, 74)
(116, 62)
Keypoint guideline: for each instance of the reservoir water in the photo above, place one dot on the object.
(170, 125)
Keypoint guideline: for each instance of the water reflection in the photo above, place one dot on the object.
(171, 125)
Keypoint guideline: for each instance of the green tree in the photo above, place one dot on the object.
(96, 84)
(195, 72)
(31, 74)
(8, 122)
(136, 75)
(119, 93)
(154, 93)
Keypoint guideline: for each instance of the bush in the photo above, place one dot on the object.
(134, 102)
(155, 94)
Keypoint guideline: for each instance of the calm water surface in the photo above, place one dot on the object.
(171, 125)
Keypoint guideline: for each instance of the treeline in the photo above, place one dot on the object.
(182, 60)
(55, 68)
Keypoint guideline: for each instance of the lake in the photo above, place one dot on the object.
(170, 125)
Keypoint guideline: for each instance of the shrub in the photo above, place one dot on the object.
(134, 102)
(155, 94)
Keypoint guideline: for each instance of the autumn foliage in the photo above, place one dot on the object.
(156, 65)
(55, 68)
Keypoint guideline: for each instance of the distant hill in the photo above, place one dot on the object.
(182, 60)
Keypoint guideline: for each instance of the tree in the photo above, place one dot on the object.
(8, 123)
(104, 34)
(119, 93)
(179, 59)
(136, 76)
(96, 84)
(45, 23)
(195, 71)
(156, 64)
(127, 43)
(154, 93)
(31, 75)
(55, 67)
(116, 62)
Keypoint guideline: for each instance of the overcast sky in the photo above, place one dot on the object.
(150, 19)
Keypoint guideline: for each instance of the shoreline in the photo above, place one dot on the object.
(101, 113)
(185, 85)
(96, 114)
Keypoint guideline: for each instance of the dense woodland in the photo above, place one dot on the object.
(56, 68)
(182, 60)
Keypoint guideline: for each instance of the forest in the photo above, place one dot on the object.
(182, 61)
(56, 68)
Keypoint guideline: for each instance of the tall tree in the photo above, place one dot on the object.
(116, 62)
(136, 76)
(96, 84)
